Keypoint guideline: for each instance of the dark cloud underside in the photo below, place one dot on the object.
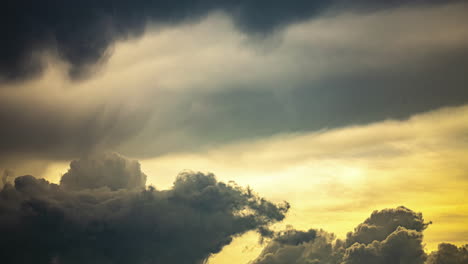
(338, 70)
(81, 32)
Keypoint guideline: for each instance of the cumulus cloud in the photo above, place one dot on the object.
(78, 222)
(93, 217)
(449, 254)
(387, 236)
(104, 170)
(383, 223)
(401, 246)
(301, 247)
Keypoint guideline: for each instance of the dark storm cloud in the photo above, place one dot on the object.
(81, 32)
(387, 236)
(42, 222)
(360, 74)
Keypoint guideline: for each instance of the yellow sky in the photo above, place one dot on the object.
(334, 179)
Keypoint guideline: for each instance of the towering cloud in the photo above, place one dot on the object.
(104, 170)
(387, 236)
(81, 32)
(401, 246)
(381, 224)
(78, 222)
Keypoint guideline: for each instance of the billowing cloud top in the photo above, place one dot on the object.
(382, 223)
(105, 170)
(387, 236)
(448, 253)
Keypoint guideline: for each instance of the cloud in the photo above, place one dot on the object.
(449, 254)
(387, 236)
(47, 223)
(402, 246)
(335, 178)
(105, 170)
(301, 247)
(81, 33)
(166, 91)
(114, 222)
(383, 223)
(5, 175)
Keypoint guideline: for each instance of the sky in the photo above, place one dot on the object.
(234, 131)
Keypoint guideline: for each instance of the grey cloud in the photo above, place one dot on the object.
(104, 170)
(368, 76)
(301, 247)
(81, 32)
(59, 131)
(449, 254)
(42, 222)
(365, 76)
(401, 246)
(383, 223)
(363, 97)
(387, 236)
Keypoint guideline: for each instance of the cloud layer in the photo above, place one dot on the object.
(196, 85)
(81, 33)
